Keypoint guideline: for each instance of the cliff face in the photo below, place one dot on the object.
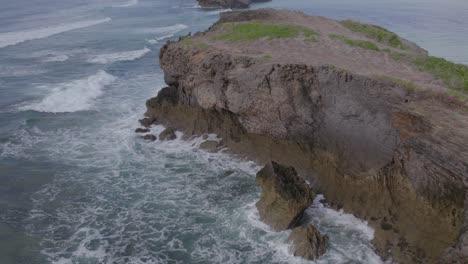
(343, 115)
(228, 3)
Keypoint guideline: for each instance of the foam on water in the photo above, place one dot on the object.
(120, 199)
(164, 30)
(158, 39)
(127, 4)
(119, 56)
(74, 96)
(13, 38)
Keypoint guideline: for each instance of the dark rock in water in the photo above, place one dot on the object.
(142, 130)
(168, 134)
(146, 122)
(150, 137)
(308, 242)
(284, 197)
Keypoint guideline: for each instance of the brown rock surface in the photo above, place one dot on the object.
(308, 242)
(392, 156)
(168, 134)
(284, 196)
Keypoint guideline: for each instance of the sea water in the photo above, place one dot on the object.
(77, 185)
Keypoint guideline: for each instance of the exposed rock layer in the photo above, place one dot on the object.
(371, 146)
(284, 196)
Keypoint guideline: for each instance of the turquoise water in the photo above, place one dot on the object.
(78, 186)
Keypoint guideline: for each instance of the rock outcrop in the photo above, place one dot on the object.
(142, 130)
(351, 112)
(228, 3)
(284, 196)
(307, 242)
(168, 134)
(150, 137)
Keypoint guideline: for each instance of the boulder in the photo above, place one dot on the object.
(210, 145)
(142, 130)
(307, 242)
(150, 137)
(168, 134)
(146, 122)
(284, 196)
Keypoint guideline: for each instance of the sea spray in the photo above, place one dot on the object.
(74, 96)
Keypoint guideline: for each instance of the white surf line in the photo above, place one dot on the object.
(16, 37)
(127, 4)
(119, 56)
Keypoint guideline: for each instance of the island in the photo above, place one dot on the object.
(368, 118)
(235, 4)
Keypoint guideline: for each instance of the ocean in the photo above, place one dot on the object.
(77, 185)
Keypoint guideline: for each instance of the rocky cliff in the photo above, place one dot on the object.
(352, 107)
(228, 3)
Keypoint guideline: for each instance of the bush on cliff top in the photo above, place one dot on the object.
(254, 31)
(380, 34)
(454, 75)
(356, 43)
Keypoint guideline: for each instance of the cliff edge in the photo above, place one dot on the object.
(376, 124)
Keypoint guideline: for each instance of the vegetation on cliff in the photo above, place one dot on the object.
(377, 33)
(253, 31)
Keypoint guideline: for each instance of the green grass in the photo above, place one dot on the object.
(455, 76)
(356, 43)
(265, 57)
(397, 56)
(404, 83)
(190, 43)
(253, 31)
(311, 39)
(380, 34)
(460, 96)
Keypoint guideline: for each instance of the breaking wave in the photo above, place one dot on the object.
(16, 37)
(74, 96)
(127, 4)
(119, 56)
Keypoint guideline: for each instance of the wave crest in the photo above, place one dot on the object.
(119, 56)
(16, 37)
(74, 96)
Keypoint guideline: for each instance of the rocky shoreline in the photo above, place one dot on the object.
(335, 103)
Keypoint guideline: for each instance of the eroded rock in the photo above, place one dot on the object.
(168, 134)
(284, 196)
(142, 130)
(150, 137)
(146, 122)
(308, 242)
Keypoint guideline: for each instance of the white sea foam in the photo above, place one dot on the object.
(164, 30)
(16, 37)
(119, 56)
(74, 96)
(127, 4)
(56, 58)
(13, 38)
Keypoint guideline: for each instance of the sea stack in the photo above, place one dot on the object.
(367, 114)
(284, 196)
